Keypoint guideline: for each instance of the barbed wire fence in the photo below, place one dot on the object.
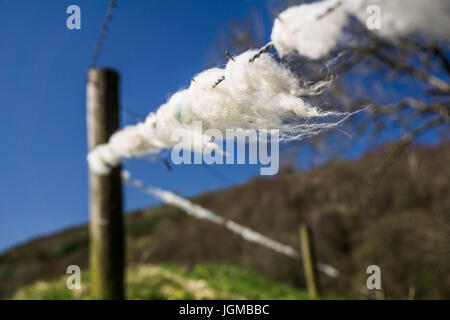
(193, 209)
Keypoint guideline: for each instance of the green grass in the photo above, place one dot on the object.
(175, 282)
(239, 282)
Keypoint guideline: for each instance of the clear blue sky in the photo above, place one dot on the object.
(157, 46)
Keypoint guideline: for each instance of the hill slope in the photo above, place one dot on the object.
(401, 223)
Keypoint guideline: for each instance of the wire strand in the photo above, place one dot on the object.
(204, 214)
(102, 35)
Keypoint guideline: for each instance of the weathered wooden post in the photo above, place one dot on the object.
(106, 216)
(309, 261)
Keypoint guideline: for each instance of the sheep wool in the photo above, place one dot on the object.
(254, 95)
(400, 18)
(257, 94)
(301, 28)
(315, 29)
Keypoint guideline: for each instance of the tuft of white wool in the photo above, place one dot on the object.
(142, 139)
(99, 163)
(400, 18)
(301, 29)
(207, 103)
(315, 29)
(262, 94)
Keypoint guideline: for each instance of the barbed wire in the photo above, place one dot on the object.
(270, 44)
(264, 49)
(205, 214)
(102, 35)
(246, 233)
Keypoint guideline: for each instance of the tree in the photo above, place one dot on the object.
(404, 83)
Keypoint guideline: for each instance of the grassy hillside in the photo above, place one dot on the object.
(174, 282)
(400, 221)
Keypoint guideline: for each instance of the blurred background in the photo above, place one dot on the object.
(375, 191)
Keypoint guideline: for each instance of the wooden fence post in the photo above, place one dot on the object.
(106, 215)
(309, 261)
